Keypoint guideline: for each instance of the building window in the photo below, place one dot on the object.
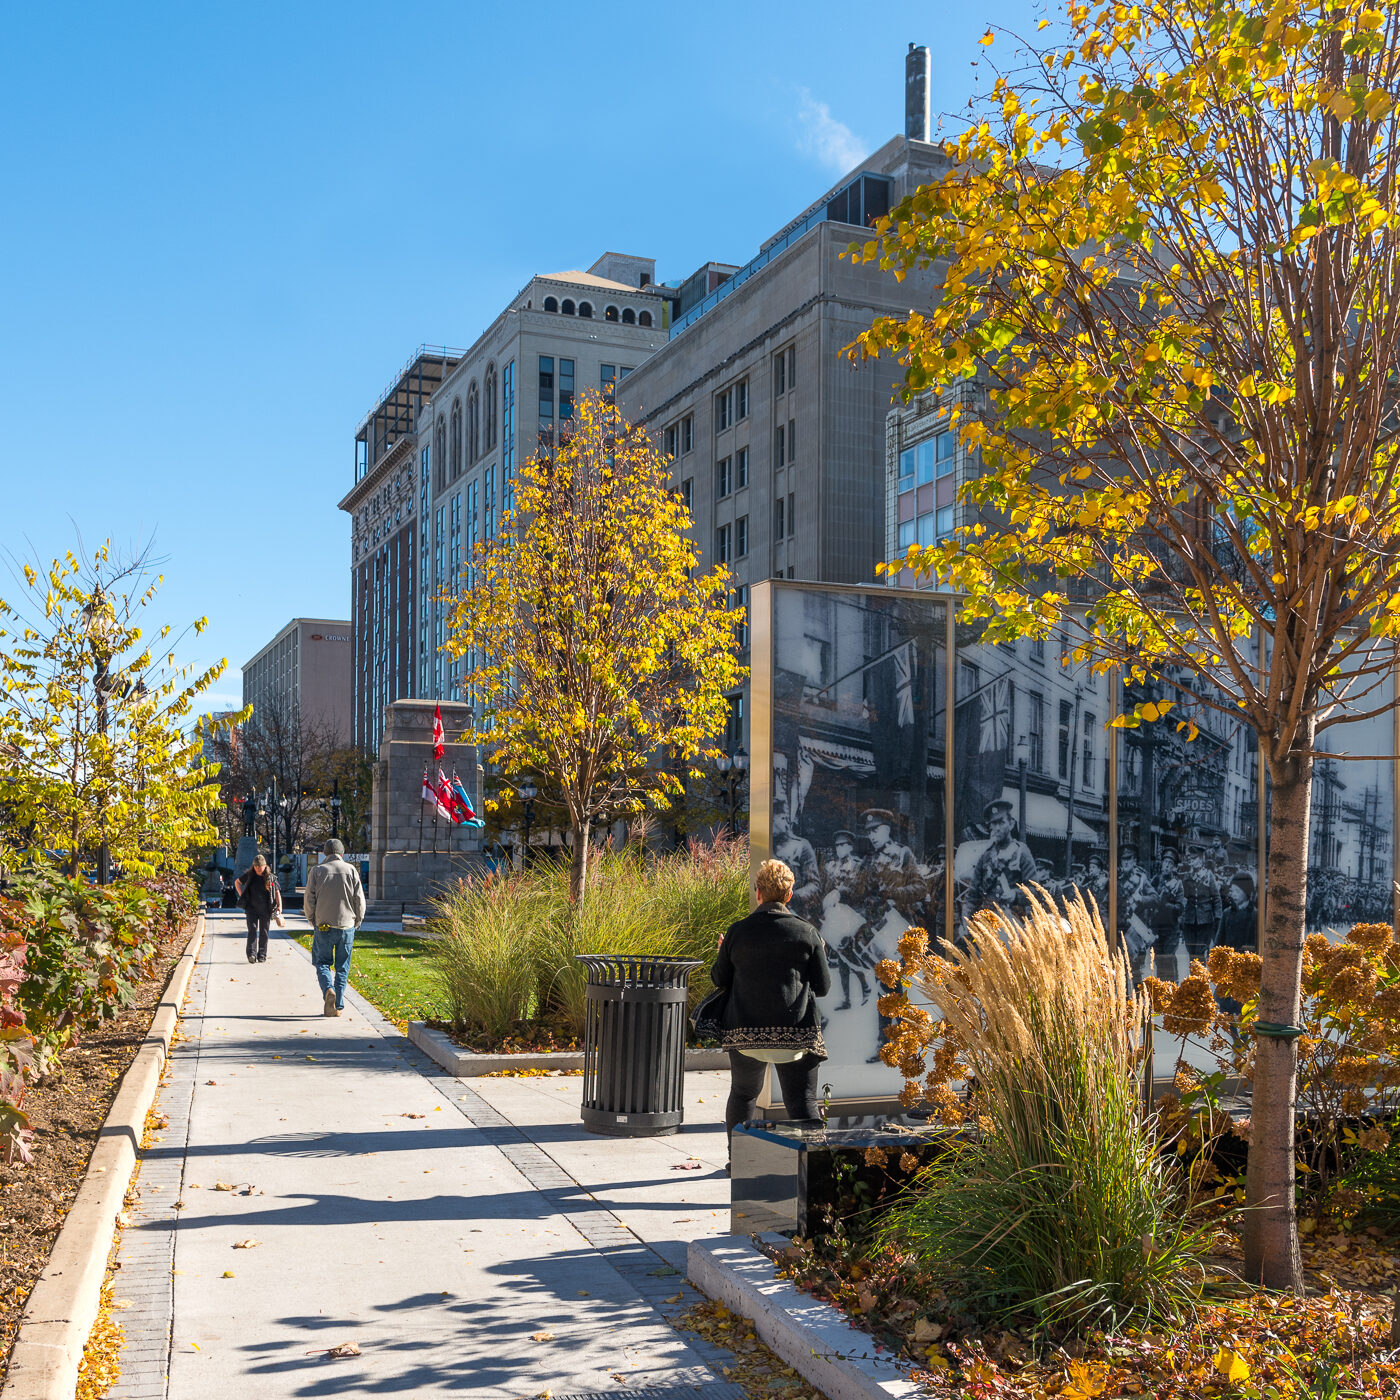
(629, 317)
(792, 368)
(688, 493)
(624, 370)
(610, 313)
(906, 469)
(551, 304)
(547, 390)
(741, 602)
(1035, 704)
(1089, 727)
(741, 536)
(473, 424)
(779, 448)
(669, 439)
(644, 318)
(925, 533)
(1066, 724)
(947, 453)
(566, 389)
(456, 438)
(780, 519)
(924, 452)
(722, 537)
(607, 378)
(687, 433)
(1038, 649)
(792, 515)
(945, 521)
(792, 441)
(491, 502)
(568, 307)
(741, 468)
(723, 477)
(722, 411)
(908, 533)
(508, 437)
(780, 373)
(734, 723)
(741, 400)
(489, 393)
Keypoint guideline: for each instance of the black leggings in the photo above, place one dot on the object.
(257, 934)
(797, 1079)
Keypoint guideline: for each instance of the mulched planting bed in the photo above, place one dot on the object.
(67, 1111)
(1336, 1342)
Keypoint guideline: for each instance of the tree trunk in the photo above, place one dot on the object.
(1271, 1254)
(580, 835)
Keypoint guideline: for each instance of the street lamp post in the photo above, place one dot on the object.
(732, 770)
(528, 792)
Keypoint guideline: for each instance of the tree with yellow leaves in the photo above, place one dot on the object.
(1172, 275)
(98, 758)
(601, 656)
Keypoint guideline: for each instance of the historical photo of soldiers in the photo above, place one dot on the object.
(1030, 776)
(1352, 823)
(1188, 823)
(858, 793)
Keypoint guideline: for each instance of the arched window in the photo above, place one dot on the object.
(440, 452)
(551, 304)
(610, 314)
(568, 307)
(585, 309)
(488, 392)
(456, 438)
(629, 317)
(644, 318)
(473, 424)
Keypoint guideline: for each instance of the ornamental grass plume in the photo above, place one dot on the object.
(1060, 1205)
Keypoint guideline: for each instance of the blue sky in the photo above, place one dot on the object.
(227, 227)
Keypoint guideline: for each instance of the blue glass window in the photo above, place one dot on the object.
(926, 535)
(906, 465)
(907, 534)
(947, 452)
(945, 520)
(925, 451)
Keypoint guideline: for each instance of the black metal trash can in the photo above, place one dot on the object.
(634, 1044)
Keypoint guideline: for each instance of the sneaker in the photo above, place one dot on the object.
(262, 959)
(251, 958)
(328, 1006)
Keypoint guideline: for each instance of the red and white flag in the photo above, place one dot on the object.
(437, 735)
(442, 790)
(431, 798)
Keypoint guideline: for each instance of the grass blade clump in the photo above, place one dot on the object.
(1059, 1203)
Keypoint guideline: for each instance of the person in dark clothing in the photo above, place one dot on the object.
(773, 967)
(261, 901)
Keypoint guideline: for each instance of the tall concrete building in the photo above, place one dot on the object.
(436, 461)
(304, 669)
(385, 538)
(777, 440)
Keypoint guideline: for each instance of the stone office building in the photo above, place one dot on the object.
(777, 440)
(436, 459)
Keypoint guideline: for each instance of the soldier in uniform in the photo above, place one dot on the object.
(843, 925)
(1095, 883)
(892, 872)
(1200, 915)
(797, 853)
(1005, 865)
(1135, 898)
(1166, 918)
(842, 871)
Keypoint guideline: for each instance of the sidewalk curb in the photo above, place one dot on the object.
(467, 1064)
(812, 1337)
(63, 1304)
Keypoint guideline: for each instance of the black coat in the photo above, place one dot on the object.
(773, 965)
(260, 894)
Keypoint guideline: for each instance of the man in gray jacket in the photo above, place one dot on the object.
(335, 905)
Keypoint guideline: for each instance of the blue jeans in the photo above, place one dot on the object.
(333, 945)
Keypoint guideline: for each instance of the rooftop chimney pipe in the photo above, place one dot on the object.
(917, 115)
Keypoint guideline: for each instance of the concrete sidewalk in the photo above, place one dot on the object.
(469, 1237)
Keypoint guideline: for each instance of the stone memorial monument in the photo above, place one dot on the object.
(414, 854)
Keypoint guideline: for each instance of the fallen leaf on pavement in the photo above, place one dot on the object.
(344, 1349)
(541, 1336)
(247, 1244)
(685, 1166)
(214, 1082)
(410, 1115)
(674, 1298)
(228, 1273)
(224, 1186)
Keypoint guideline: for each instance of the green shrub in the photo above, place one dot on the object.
(509, 942)
(1058, 1202)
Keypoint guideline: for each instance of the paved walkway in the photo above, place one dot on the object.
(467, 1235)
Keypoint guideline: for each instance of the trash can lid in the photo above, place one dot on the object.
(613, 969)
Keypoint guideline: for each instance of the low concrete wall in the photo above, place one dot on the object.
(465, 1064)
(812, 1337)
(63, 1304)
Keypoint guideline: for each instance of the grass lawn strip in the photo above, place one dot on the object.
(396, 973)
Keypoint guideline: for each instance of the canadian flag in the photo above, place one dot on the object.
(434, 801)
(437, 736)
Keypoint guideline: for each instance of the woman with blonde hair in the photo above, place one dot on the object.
(773, 967)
